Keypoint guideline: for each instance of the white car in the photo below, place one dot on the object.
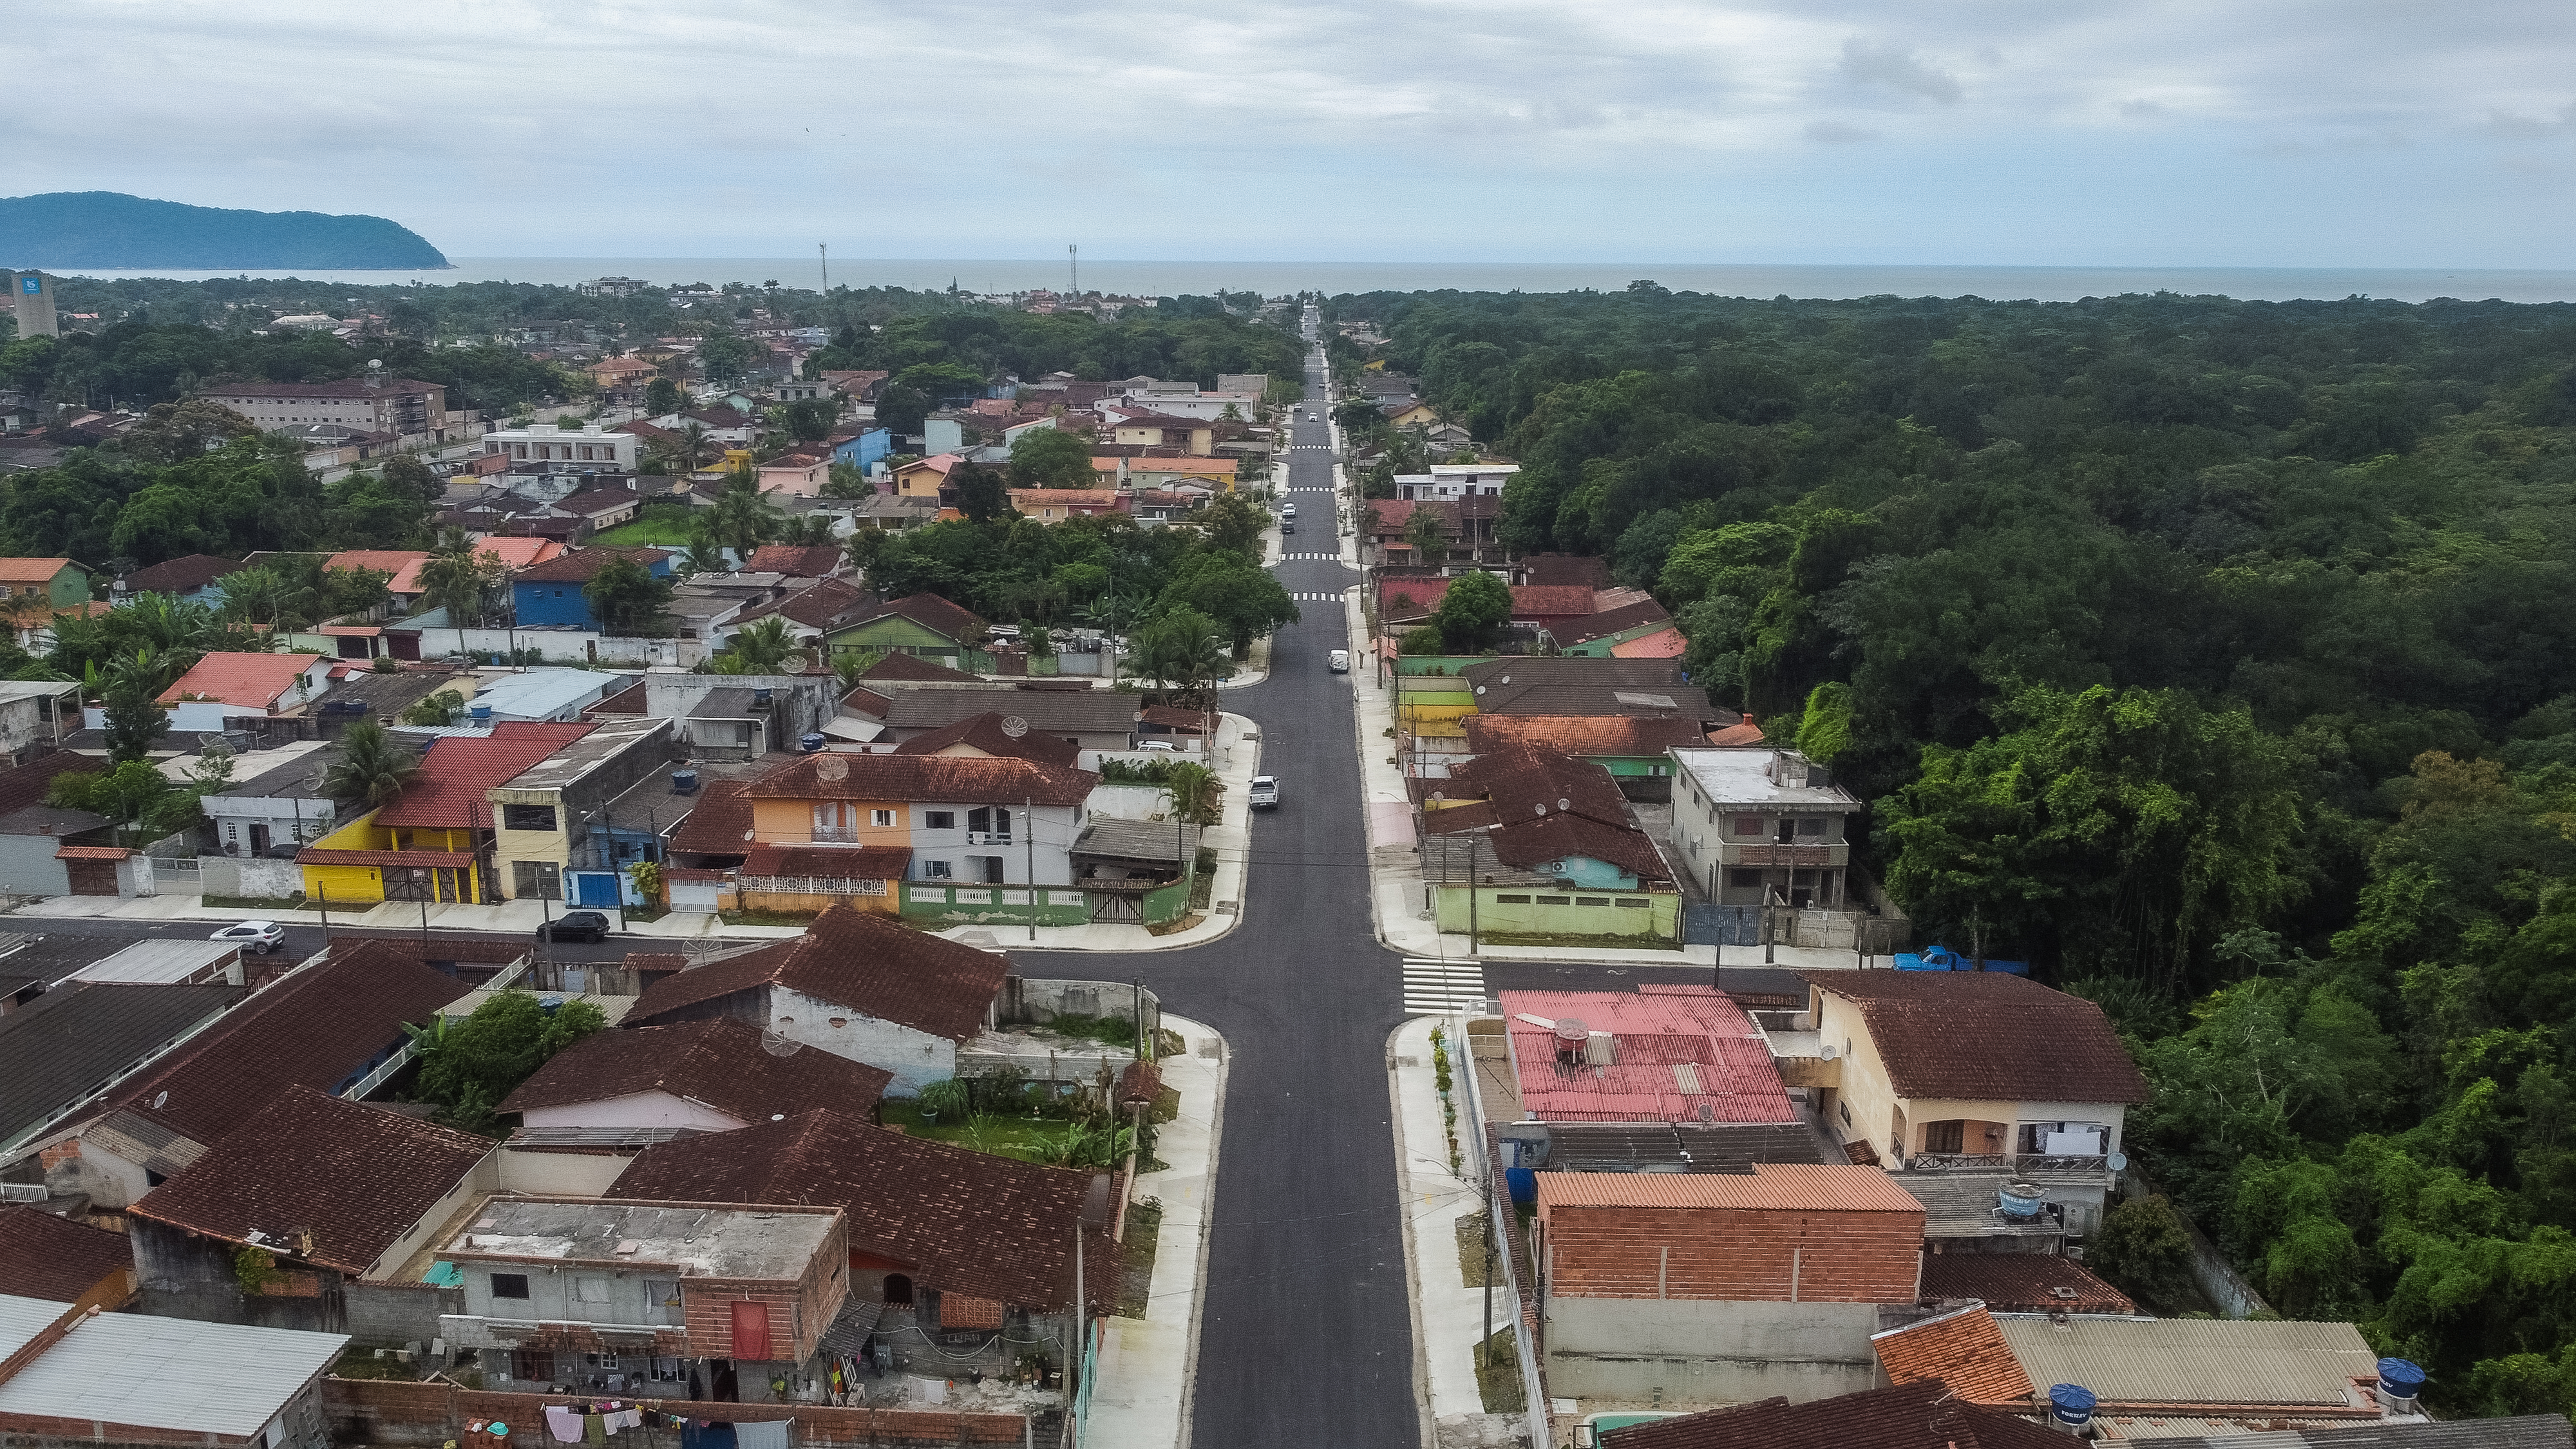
(1339, 661)
(1287, 510)
(258, 937)
(1161, 747)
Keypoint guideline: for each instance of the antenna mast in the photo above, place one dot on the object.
(826, 249)
(1073, 270)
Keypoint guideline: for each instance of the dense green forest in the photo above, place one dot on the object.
(1183, 337)
(2219, 656)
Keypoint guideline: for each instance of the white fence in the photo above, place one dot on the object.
(563, 646)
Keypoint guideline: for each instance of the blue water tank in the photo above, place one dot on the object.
(684, 782)
(482, 714)
(810, 744)
(1523, 1181)
(2399, 1379)
(2019, 1200)
(2070, 1404)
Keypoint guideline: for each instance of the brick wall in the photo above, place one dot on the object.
(706, 1307)
(380, 1412)
(1745, 1255)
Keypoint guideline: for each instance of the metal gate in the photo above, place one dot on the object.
(1116, 909)
(1707, 924)
(597, 888)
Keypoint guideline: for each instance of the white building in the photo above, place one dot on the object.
(1456, 480)
(546, 442)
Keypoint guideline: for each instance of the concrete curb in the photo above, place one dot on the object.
(1428, 1430)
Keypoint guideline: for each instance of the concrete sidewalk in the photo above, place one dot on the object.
(1149, 1366)
(1449, 1315)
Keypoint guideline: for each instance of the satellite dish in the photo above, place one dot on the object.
(1014, 726)
(1540, 807)
(159, 1099)
(2117, 1162)
(831, 767)
(1564, 804)
(796, 664)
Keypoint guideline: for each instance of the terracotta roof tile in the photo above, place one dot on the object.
(954, 779)
(2021, 1283)
(1790, 1186)
(43, 1256)
(729, 1065)
(855, 959)
(1987, 1036)
(968, 1222)
(1964, 1350)
(449, 792)
(805, 561)
(988, 733)
(382, 560)
(914, 667)
(1652, 1033)
(1662, 644)
(31, 570)
(358, 1177)
(1610, 621)
(1598, 736)
(253, 681)
(1909, 1416)
(719, 824)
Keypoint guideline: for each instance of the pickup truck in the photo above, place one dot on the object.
(1264, 794)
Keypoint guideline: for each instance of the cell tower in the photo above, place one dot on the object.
(826, 249)
(1073, 270)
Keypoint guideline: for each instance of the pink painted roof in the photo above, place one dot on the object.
(1662, 644)
(1667, 1040)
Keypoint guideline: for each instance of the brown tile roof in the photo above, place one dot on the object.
(43, 1256)
(1595, 735)
(1609, 622)
(1531, 844)
(315, 1028)
(829, 604)
(729, 1065)
(1987, 1036)
(805, 561)
(970, 1223)
(583, 564)
(358, 1177)
(1179, 721)
(178, 575)
(595, 501)
(449, 792)
(988, 733)
(26, 785)
(952, 779)
(627, 701)
(720, 823)
(2021, 1283)
(899, 667)
(1909, 1416)
(1530, 785)
(1964, 1350)
(855, 959)
(931, 612)
(829, 862)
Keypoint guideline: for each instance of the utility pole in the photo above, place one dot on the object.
(1073, 270)
(1029, 830)
(1474, 935)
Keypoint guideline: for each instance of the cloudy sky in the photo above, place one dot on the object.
(2074, 132)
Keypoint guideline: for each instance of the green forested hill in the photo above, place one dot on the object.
(111, 229)
(2219, 656)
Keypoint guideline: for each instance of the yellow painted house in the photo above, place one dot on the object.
(1418, 415)
(434, 841)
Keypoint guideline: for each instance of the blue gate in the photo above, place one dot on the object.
(1707, 924)
(595, 888)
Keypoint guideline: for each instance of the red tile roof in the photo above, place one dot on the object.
(855, 959)
(1654, 1030)
(966, 1222)
(357, 1177)
(943, 779)
(1910, 1416)
(914, 667)
(1596, 736)
(1747, 735)
(26, 785)
(43, 1256)
(382, 560)
(988, 733)
(719, 824)
(314, 1027)
(1662, 644)
(1964, 1350)
(804, 561)
(2021, 1283)
(729, 1065)
(449, 792)
(253, 681)
(829, 862)
(583, 564)
(1987, 1036)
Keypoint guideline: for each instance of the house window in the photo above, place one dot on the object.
(527, 817)
(1944, 1136)
(1744, 879)
(1748, 825)
(509, 1285)
(939, 820)
(1812, 825)
(934, 870)
(589, 1288)
(882, 819)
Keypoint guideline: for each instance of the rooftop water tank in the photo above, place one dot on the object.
(2019, 1200)
(2399, 1383)
(2070, 1405)
(482, 714)
(760, 696)
(684, 782)
(809, 743)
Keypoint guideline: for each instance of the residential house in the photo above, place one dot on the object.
(598, 509)
(1137, 871)
(434, 842)
(928, 478)
(558, 831)
(814, 612)
(1669, 1053)
(192, 578)
(44, 1256)
(335, 1192)
(540, 696)
(413, 411)
(1612, 625)
(77, 1373)
(1523, 840)
(1055, 505)
(2017, 1283)
(222, 685)
(67, 1044)
(284, 806)
(915, 624)
(551, 592)
(718, 1075)
(35, 836)
(57, 582)
(329, 1024)
(1210, 475)
(1758, 827)
(779, 709)
(897, 669)
(856, 985)
(550, 447)
(711, 1302)
(971, 820)
(1982, 1074)
(1680, 1288)
(36, 714)
(1407, 413)
(799, 561)
(802, 473)
(1093, 719)
(863, 449)
(1926, 1415)
(1137, 424)
(1452, 480)
(942, 1240)
(1470, 532)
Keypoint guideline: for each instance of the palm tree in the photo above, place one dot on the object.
(704, 555)
(459, 577)
(1194, 790)
(744, 519)
(764, 646)
(370, 766)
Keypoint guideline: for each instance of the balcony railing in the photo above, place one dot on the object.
(836, 835)
(1730, 853)
(2024, 1162)
(988, 837)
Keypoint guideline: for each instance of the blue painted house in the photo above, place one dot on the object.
(551, 592)
(866, 450)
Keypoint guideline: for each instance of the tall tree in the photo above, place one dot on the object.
(373, 766)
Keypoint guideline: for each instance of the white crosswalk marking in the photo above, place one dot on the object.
(1315, 598)
(1329, 557)
(1431, 987)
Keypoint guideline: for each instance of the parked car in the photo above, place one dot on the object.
(576, 926)
(1339, 661)
(261, 937)
(1287, 525)
(1157, 746)
(1264, 794)
(1287, 510)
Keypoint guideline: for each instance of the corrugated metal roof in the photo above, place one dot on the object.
(1793, 1185)
(2194, 1361)
(130, 1370)
(159, 962)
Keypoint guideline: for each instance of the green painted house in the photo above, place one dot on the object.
(922, 624)
(58, 581)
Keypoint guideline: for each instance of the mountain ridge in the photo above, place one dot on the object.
(65, 229)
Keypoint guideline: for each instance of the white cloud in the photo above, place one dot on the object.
(1869, 63)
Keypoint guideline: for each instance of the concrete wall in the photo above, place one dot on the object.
(1126, 802)
(540, 1173)
(915, 1057)
(28, 867)
(387, 1411)
(252, 877)
(562, 645)
(804, 701)
(390, 1315)
(1707, 1351)
(185, 1276)
(1522, 909)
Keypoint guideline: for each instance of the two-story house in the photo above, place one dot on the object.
(968, 818)
(1762, 826)
(551, 592)
(1976, 1074)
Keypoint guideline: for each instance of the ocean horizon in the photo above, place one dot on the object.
(1178, 278)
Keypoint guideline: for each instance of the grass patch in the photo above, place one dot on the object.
(1471, 1250)
(656, 525)
(1554, 938)
(1029, 1139)
(1498, 1375)
(1204, 885)
(1167, 1105)
(1117, 1031)
(1136, 1263)
(268, 903)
